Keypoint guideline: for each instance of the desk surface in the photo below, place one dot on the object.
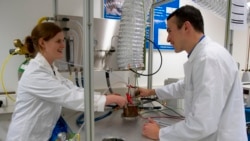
(128, 129)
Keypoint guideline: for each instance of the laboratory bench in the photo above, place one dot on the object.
(115, 127)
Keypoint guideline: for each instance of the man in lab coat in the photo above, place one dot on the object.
(214, 109)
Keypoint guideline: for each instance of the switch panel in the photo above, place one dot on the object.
(4, 101)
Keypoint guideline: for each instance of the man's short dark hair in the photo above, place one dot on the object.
(191, 14)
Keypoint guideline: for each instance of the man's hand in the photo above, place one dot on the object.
(151, 129)
(145, 92)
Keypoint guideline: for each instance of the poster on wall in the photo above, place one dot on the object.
(112, 9)
(160, 30)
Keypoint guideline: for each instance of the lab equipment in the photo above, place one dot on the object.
(106, 37)
(136, 104)
(22, 49)
(131, 34)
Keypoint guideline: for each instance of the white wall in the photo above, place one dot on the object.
(19, 17)
(17, 21)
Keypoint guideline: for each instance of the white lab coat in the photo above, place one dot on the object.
(40, 97)
(213, 95)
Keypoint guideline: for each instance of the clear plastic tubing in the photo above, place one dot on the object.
(131, 34)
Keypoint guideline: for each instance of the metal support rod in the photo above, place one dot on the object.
(55, 9)
(88, 51)
(248, 51)
(228, 33)
(150, 49)
(230, 38)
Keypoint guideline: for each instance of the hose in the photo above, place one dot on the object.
(108, 82)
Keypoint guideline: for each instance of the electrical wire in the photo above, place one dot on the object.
(80, 120)
(77, 135)
(82, 78)
(108, 81)
(160, 62)
(165, 115)
(171, 110)
(76, 78)
(2, 78)
(179, 116)
(82, 123)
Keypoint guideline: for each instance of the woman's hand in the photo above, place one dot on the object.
(117, 99)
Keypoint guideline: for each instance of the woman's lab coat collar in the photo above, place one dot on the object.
(43, 62)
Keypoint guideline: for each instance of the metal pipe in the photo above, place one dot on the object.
(150, 49)
(55, 9)
(151, 35)
(88, 58)
(230, 44)
(248, 50)
(228, 33)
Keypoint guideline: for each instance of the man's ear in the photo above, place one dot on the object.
(187, 25)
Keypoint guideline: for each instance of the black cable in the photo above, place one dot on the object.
(108, 81)
(67, 50)
(103, 116)
(77, 83)
(160, 63)
(110, 89)
(82, 78)
(82, 81)
(150, 99)
(76, 78)
(177, 116)
(80, 121)
(171, 110)
(150, 108)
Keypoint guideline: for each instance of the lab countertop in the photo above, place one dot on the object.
(127, 129)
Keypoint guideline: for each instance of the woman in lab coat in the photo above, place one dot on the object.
(214, 109)
(42, 91)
